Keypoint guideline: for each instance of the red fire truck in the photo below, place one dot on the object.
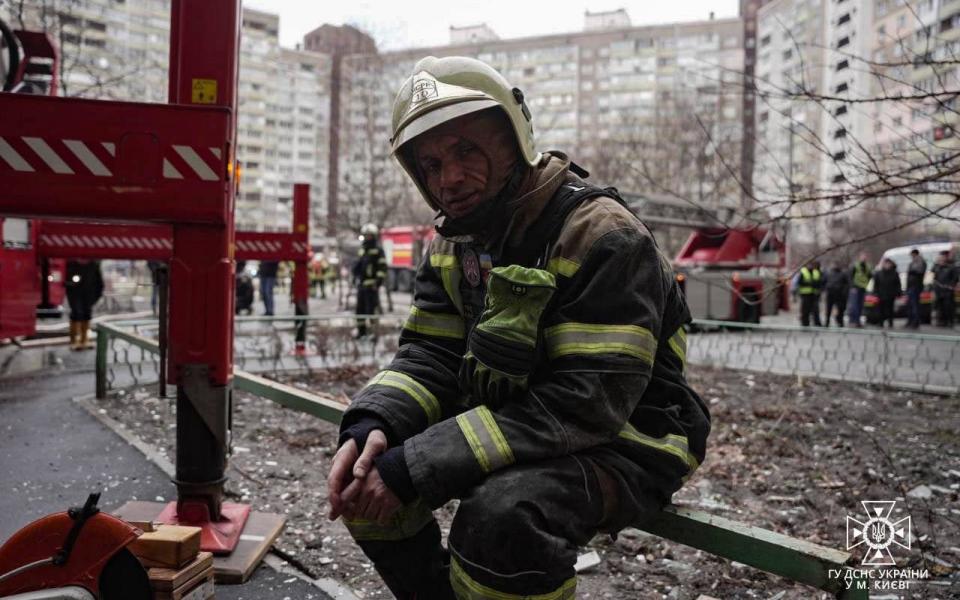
(732, 274)
(404, 247)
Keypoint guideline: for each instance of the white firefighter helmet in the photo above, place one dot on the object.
(442, 89)
(370, 229)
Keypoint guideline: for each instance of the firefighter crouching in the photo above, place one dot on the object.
(540, 375)
(369, 272)
(84, 287)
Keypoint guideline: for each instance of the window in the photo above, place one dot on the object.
(788, 54)
(840, 133)
(764, 40)
(841, 110)
(839, 155)
(842, 88)
(839, 178)
(843, 64)
(843, 42)
(845, 18)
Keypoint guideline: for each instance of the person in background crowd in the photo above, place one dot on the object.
(155, 266)
(369, 273)
(860, 276)
(84, 289)
(915, 273)
(809, 284)
(886, 285)
(838, 289)
(268, 280)
(318, 275)
(945, 276)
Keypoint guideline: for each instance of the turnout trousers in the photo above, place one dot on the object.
(517, 534)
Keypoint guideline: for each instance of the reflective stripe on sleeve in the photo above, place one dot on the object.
(468, 588)
(678, 343)
(412, 388)
(671, 444)
(485, 439)
(563, 266)
(586, 338)
(436, 324)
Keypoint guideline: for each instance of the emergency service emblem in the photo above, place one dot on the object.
(424, 88)
(878, 532)
(471, 268)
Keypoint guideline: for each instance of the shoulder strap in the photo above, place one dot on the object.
(566, 199)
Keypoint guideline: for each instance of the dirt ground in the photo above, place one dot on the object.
(794, 456)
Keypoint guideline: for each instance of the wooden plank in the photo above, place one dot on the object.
(800, 561)
(166, 580)
(258, 535)
(261, 530)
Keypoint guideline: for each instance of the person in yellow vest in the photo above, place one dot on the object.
(860, 276)
(809, 285)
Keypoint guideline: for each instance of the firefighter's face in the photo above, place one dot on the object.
(455, 171)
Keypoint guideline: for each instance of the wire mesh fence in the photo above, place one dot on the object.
(920, 362)
(128, 353)
(267, 345)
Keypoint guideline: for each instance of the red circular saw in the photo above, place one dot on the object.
(80, 554)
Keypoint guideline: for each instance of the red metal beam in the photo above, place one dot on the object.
(68, 239)
(106, 160)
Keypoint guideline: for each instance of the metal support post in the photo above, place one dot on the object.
(163, 308)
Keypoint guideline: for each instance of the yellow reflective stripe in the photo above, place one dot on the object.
(467, 588)
(413, 388)
(485, 439)
(443, 261)
(678, 343)
(587, 338)
(436, 324)
(450, 275)
(671, 444)
(563, 266)
(405, 523)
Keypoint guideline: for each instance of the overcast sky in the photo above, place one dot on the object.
(426, 23)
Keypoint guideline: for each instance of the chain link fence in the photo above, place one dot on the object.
(128, 353)
(267, 345)
(910, 361)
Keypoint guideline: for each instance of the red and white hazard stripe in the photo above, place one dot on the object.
(106, 241)
(28, 154)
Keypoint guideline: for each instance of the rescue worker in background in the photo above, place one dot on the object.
(945, 277)
(809, 285)
(859, 278)
(369, 272)
(915, 274)
(540, 375)
(84, 289)
(838, 290)
(886, 285)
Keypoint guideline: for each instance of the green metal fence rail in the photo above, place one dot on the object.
(775, 553)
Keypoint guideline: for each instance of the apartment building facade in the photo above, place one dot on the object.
(607, 95)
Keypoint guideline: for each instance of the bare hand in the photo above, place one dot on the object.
(370, 498)
(348, 465)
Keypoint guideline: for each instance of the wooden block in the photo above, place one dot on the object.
(198, 588)
(167, 580)
(170, 546)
